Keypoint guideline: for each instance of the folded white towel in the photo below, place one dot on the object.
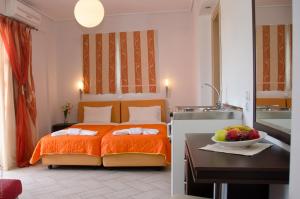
(121, 132)
(73, 131)
(88, 132)
(135, 131)
(60, 132)
(150, 131)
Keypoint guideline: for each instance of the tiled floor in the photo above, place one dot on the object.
(85, 182)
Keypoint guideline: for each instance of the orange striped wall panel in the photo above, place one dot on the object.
(271, 44)
(138, 62)
(99, 63)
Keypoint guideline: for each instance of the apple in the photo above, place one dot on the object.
(243, 135)
(220, 135)
(232, 135)
(253, 134)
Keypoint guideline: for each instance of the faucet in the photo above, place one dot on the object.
(219, 101)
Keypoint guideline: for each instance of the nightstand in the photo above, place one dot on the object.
(60, 126)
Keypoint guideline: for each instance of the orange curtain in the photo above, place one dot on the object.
(17, 41)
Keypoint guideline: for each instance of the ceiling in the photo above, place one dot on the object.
(63, 9)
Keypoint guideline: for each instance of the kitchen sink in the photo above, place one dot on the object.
(196, 108)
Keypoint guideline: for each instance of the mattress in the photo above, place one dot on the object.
(75, 144)
(134, 160)
(156, 146)
(71, 159)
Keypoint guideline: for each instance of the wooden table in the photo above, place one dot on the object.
(268, 167)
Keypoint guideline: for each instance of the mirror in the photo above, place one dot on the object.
(272, 33)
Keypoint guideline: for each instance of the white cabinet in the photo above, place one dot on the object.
(179, 128)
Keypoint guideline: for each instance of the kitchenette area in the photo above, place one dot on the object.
(195, 119)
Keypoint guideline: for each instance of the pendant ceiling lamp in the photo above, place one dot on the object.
(89, 13)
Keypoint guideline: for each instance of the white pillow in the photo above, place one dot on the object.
(151, 114)
(97, 114)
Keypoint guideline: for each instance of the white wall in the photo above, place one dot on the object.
(295, 146)
(237, 55)
(202, 53)
(2, 6)
(273, 15)
(205, 58)
(176, 56)
(44, 73)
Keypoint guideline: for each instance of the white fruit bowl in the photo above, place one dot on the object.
(245, 143)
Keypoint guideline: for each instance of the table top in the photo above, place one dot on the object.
(271, 165)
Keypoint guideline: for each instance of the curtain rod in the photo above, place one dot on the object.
(29, 26)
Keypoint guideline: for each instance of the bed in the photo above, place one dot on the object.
(137, 150)
(77, 150)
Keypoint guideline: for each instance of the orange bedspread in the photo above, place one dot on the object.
(147, 144)
(71, 144)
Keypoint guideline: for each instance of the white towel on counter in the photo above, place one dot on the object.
(136, 131)
(74, 131)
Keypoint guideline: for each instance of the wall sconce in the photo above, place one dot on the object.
(80, 88)
(167, 87)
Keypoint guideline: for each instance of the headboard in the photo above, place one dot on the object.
(115, 112)
(282, 102)
(142, 103)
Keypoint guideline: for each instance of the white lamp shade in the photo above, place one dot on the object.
(80, 85)
(89, 13)
(166, 82)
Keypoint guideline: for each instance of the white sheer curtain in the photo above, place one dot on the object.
(7, 113)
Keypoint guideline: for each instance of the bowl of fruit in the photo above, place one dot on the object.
(238, 136)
